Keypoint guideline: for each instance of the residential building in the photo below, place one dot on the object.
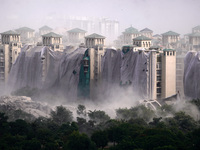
(129, 34)
(26, 34)
(53, 41)
(147, 32)
(44, 30)
(91, 67)
(9, 51)
(76, 36)
(142, 42)
(161, 79)
(170, 39)
(194, 41)
(102, 26)
(196, 29)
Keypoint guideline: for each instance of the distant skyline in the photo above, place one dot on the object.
(158, 15)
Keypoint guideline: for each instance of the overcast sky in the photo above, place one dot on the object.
(159, 15)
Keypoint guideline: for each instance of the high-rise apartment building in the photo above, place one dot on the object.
(9, 51)
(76, 36)
(53, 41)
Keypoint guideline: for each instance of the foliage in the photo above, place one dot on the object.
(79, 141)
(98, 116)
(196, 102)
(61, 115)
(81, 110)
(135, 112)
(59, 132)
(100, 138)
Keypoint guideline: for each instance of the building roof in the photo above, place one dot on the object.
(51, 34)
(169, 49)
(170, 33)
(142, 37)
(25, 29)
(157, 35)
(95, 36)
(187, 34)
(45, 28)
(11, 32)
(146, 30)
(196, 28)
(194, 34)
(77, 30)
(131, 30)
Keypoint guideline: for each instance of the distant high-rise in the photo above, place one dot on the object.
(76, 36)
(44, 30)
(129, 34)
(103, 26)
(26, 34)
(147, 32)
(170, 39)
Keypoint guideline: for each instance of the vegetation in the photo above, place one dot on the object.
(137, 128)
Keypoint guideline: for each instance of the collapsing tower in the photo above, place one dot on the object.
(90, 71)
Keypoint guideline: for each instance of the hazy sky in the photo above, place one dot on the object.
(158, 15)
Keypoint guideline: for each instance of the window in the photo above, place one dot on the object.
(159, 71)
(158, 90)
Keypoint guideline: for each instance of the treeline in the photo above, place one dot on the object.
(133, 129)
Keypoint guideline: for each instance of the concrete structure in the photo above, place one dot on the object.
(26, 34)
(161, 81)
(142, 41)
(53, 40)
(129, 34)
(94, 39)
(147, 32)
(95, 44)
(168, 84)
(180, 55)
(102, 26)
(76, 36)
(44, 30)
(9, 51)
(194, 41)
(196, 29)
(170, 39)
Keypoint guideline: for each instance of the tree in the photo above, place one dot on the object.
(77, 141)
(61, 115)
(185, 122)
(98, 116)
(81, 110)
(135, 112)
(100, 138)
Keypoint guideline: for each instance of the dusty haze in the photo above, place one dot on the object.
(158, 15)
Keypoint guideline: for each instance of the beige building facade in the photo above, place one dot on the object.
(95, 44)
(170, 39)
(129, 34)
(44, 30)
(53, 41)
(147, 32)
(142, 42)
(9, 51)
(76, 36)
(161, 81)
(26, 34)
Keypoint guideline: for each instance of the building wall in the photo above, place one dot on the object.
(142, 43)
(147, 34)
(168, 83)
(55, 43)
(179, 73)
(168, 39)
